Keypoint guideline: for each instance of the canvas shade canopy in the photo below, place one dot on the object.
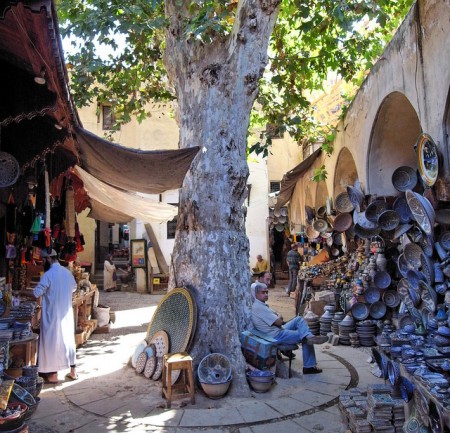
(291, 177)
(150, 172)
(111, 198)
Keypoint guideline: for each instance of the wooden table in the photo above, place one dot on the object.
(31, 348)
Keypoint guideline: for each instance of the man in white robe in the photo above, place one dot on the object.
(57, 348)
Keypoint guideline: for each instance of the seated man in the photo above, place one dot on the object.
(296, 331)
(263, 278)
(261, 265)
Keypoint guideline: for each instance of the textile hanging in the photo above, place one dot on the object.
(150, 172)
(70, 212)
(135, 205)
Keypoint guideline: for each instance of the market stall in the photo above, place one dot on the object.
(386, 287)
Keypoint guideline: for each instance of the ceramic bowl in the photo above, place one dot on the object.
(444, 331)
(414, 276)
(404, 178)
(360, 311)
(412, 253)
(15, 420)
(391, 298)
(320, 225)
(264, 375)
(260, 386)
(310, 213)
(382, 279)
(427, 268)
(21, 395)
(361, 219)
(400, 205)
(418, 209)
(372, 294)
(403, 265)
(375, 209)
(389, 220)
(355, 196)
(364, 233)
(215, 390)
(377, 310)
(342, 222)
(414, 295)
(342, 203)
(393, 372)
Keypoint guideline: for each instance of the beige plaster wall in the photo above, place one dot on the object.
(381, 121)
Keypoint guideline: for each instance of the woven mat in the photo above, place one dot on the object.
(175, 315)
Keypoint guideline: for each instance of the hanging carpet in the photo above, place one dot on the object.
(150, 172)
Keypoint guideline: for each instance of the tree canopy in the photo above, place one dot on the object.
(310, 40)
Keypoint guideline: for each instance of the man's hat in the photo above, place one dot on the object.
(45, 254)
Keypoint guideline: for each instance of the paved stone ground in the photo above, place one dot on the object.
(111, 397)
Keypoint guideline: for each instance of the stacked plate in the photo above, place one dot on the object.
(391, 298)
(325, 322)
(354, 339)
(338, 317)
(313, 322)
(366, 331)
(345, 328)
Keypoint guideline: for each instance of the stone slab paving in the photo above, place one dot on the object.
(110, 397)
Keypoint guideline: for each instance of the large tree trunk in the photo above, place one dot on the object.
(216, 86)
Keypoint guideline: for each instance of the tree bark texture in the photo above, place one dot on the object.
(216, 87)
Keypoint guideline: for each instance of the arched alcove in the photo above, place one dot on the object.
(345, 173)
(394, 134)
(446, 142)
(321, 194)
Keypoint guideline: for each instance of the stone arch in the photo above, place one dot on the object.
(443, 182)
(321, 194)
(446, 128)
(394, 133)
(345, 172)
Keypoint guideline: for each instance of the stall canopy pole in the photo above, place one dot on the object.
(47, 198)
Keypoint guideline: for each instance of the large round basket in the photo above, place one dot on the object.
(176, 314)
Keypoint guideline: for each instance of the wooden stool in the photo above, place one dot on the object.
(287, 349)
(177, 361)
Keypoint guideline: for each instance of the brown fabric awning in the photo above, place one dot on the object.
(122, 203)
(150, 172)
(291, 177)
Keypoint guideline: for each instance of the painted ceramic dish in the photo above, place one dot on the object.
(404, 178)
(389, 220)
(400, 205)
(419, 213)
(342, 222)
(391, 298)
(139, 349)
(140, 364)
(382, 279)
(377, 310)
(412, 253)
(372, 294)
(150, 366)
(158, 369)
(375, 209)
(427, 158)
(360, 311)
(214, 368)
